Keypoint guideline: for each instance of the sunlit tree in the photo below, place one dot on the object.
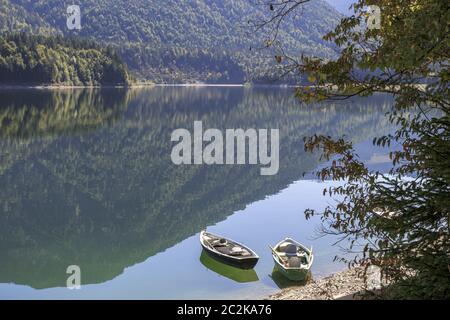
(397, 221)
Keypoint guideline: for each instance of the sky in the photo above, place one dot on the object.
(342, 5)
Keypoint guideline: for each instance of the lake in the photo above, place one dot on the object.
(86, 179)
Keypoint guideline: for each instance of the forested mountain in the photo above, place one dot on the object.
(28, 59)
(173, 40)
(15, 18)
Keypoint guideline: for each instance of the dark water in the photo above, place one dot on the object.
(86, 179)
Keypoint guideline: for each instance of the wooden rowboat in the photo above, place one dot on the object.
(292, 259)
(228, 251)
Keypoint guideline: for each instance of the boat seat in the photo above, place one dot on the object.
(234, 251)
(294, 262)
(288, 248)
(220, 243)
(237, 250)
(223, 249)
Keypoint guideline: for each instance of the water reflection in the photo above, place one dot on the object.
(28, 114)
(282, 282)
(225, 270)
(86, 176)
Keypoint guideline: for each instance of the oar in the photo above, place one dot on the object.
(207, 241)
(273, 250)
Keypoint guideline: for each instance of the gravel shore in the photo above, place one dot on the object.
(341, 285)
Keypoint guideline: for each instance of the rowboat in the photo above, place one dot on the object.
(292, 259)
(228, 251)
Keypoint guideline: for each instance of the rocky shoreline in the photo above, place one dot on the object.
(341, 285)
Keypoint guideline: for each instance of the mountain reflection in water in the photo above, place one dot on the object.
(86, 176)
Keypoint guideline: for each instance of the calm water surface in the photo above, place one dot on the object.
(86, 179)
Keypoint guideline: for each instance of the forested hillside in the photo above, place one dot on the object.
(173, 40)
(16, 19)
(28, 59)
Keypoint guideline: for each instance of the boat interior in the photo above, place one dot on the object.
(225, 246)
(292, 255)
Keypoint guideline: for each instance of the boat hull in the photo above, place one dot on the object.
(293, 274)
(247, 263)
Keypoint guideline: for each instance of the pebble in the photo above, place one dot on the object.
(342, 285)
